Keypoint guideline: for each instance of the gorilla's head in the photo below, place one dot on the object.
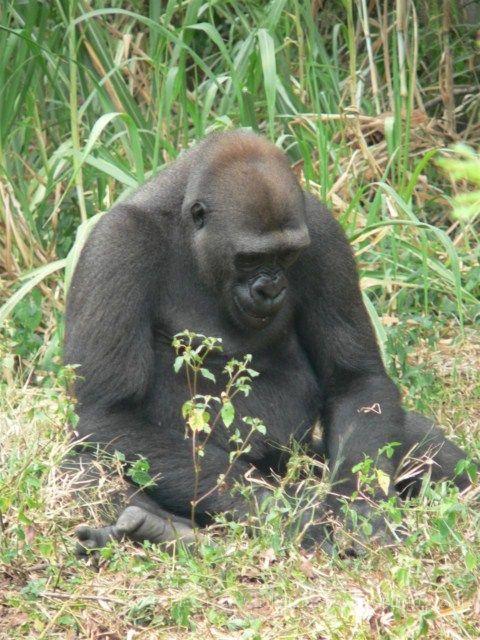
(244, 212)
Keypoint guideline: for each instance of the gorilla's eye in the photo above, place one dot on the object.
(198, 212)
(287, 258)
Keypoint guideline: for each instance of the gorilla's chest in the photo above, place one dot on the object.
(285, 395)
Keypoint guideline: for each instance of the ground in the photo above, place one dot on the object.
(261, 587)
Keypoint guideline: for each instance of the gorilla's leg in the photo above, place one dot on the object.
(139, 517)
(427, 450)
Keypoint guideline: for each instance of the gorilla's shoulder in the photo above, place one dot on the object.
(322, 226)
(126, 223)
(125, 243)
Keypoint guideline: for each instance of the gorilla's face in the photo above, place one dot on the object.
(249, 271)
(248, 228)
(259, 286)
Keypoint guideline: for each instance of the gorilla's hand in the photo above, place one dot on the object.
(359, 522)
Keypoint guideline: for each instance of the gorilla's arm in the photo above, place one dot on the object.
(109, 334)
(361, 408)
(109, 328)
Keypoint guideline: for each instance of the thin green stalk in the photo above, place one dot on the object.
(74, 122)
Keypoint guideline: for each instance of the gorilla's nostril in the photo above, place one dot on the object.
(268, 292)
(264, 291)
(267, 289)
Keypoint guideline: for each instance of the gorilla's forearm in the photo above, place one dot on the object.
(360, 419)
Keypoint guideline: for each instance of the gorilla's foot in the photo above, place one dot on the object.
(139, 525)
(136, 524)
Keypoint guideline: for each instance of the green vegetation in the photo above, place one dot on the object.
(366, 98)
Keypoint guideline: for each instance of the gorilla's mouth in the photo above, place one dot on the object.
(253, 319)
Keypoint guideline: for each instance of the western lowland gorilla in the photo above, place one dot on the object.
(224, 242)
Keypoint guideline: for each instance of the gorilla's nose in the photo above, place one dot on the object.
(268, 293)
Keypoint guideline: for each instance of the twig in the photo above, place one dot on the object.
(76, 596)
(457, 91)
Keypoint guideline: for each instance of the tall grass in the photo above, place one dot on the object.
(360, 95)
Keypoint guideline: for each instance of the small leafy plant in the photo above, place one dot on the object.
(204, 413)
(370, 476)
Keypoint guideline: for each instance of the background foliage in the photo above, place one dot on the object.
(95, 99)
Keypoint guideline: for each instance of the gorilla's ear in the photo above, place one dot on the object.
(198, 212)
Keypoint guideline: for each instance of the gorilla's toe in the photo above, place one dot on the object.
(131, 519)
(91, 539)
(140, 525)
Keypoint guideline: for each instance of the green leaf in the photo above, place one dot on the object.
(471, 561)
(35, 276)
(177, 365)
(187, 408)
(377, 325)
(228, 413)
(269, 68)
(383, 481)
(139, 472)
(112, 170)
(207, 374)
(261, 428)
(81, 237)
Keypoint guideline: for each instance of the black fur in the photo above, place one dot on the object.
(167, 259)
